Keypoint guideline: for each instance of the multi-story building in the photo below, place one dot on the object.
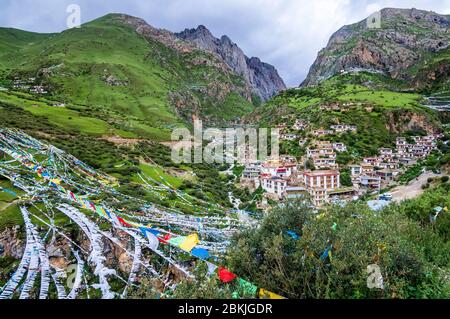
(252, 171)
(325, 162)
(370, 181)
(278, 168)
(355, 170)
(294, 192)
(318, 183)
(371, 160)
(341, 128)
(386, 152)
(388, 165)
(386, 175)
(366, 168)
(274, 185)
(339, 147)
(320, 133)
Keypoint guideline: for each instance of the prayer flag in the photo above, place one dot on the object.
(268, 294)
(293, 234)
(200, 253)
(225, 275)
(190, 242)
(211, 268)
(247, 287)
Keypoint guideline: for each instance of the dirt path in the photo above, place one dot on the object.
(413, 189)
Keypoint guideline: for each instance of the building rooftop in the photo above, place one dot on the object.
(321, 173)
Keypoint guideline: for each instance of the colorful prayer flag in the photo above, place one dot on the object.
(200, 253)
(189, 242)
(268, 294)
(225, 275)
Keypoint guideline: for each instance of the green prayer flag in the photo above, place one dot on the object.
(177, 241)
(247, 287)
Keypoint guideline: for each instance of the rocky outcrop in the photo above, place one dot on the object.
(11, 243)
(262, 77)
(405, 39)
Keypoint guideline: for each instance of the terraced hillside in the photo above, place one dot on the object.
(380, 107)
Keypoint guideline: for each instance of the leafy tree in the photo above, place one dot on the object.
(346, 180)
(356, 238)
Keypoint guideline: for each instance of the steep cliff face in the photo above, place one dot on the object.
(407, 42)
(262, 77)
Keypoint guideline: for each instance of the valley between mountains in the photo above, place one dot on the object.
(92, 204)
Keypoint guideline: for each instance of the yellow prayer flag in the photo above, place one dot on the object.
(190, 242)
(55, 181)
(268, 294)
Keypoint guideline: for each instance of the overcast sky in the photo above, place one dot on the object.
(285, 33)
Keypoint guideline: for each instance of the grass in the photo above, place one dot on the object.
(74, 119)
(10, 217)
(159, 175)
(70, 119)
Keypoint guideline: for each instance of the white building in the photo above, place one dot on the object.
(274, 185)
(339, 147)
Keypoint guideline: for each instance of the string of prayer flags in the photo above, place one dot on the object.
(263, 293)
(146, 230)
(108, 213)
(225, 275)
(186, 243)
(99, 211)
(91, 206)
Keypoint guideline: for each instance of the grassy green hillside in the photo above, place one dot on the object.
(363, 99)
(105, 64)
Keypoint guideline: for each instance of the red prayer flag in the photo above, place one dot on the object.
(165, 238)
(123, 222)
(225, 275)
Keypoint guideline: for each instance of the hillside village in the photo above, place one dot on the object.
(318, 174)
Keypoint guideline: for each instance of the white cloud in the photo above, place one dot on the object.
(372, 8)
(285, 33)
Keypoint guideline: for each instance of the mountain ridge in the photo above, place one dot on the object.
(263, 77)
(400, 48)
(122, 64)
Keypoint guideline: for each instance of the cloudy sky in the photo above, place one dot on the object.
(285, 33)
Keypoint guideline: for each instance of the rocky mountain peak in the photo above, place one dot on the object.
(404, 39)
(263, 78)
